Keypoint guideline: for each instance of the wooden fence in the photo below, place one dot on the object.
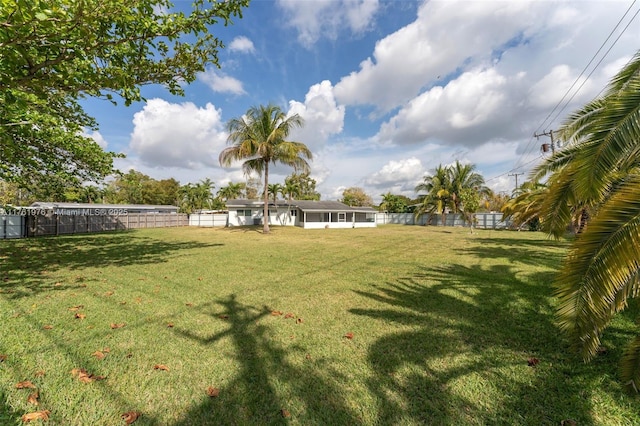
(60, 224)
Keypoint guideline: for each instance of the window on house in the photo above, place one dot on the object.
(244, 212)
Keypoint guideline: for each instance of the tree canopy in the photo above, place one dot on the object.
(57, 52)
(356, 197)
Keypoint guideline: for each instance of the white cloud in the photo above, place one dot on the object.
(552, 88)
(326, 18)
(398, 174)
(241, 44)
(221, 83)
(323, 117)
(96, 136)
(434, 46)
(476, 107)
(178, 135)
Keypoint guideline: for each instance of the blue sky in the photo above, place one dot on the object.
(388, 89)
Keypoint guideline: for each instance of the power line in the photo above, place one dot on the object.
(529, 148)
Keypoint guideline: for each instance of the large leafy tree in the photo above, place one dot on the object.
(525, 207)
(56, 52)
(259, 139)
(392, 203)
(356, 197)
(301, 186)
(599, 172)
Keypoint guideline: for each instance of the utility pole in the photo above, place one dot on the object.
(553, 143)
(516, 175)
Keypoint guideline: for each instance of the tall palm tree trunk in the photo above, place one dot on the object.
(265, 212)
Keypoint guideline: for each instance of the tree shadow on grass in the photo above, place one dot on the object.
(477, 330)
(268, 371)
(25, 264)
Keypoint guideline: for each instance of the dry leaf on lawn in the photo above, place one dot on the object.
(114, 326)
(349, 335)
(84, 376)
(76, 308)
(289, 315)
(48, 327)
(98, 354)
(79, 316)
(161, 367)
(25, 385)
(130, 417)
(3, 358)
(532, 362)
(33, 398)
(276, 313)
(38, 415)
(284, 413)
(170, 325)
(39, 373)
(213, 392)
(223, 316)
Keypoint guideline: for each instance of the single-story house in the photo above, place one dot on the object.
(303, 213)
(89, 209)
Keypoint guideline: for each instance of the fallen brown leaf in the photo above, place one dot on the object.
(78, 315)
(106, 350)
(123, 303)
(276, 313)
(349, 335)
(39, 373)
(170, 325)
(109, 293)
(84, 376)
(98, 355)
(223, 316)
(3, 358)
(161, 367)
(284, 413)
(308, 356)
(130, 416)
(568, 422)
(114, 326)
(33, 398)
(199, 278)
(189, 304)
(48, 327)
(25, 385)
(213, 392)
(289, 315)
(532, 362)
(38, 415)
(76, 308)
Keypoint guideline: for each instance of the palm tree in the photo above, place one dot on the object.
(438, 197)
(463, 177)
(231, 191)
(599, 172)
(526, 204)
(259, 139)
(275, 189)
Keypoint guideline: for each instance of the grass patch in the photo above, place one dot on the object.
(443, 325)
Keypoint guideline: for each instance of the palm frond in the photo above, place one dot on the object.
(600, 272)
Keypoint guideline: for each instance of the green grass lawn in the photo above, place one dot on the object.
(444, 323)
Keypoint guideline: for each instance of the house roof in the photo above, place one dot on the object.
(304, 205)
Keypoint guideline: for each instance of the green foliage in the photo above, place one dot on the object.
(598, 176)
(394, 203)
(56, 52)
(199, 196)
(300, 186)
(258, 139)
(445, 186)
(231, 191)
(356, 197)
